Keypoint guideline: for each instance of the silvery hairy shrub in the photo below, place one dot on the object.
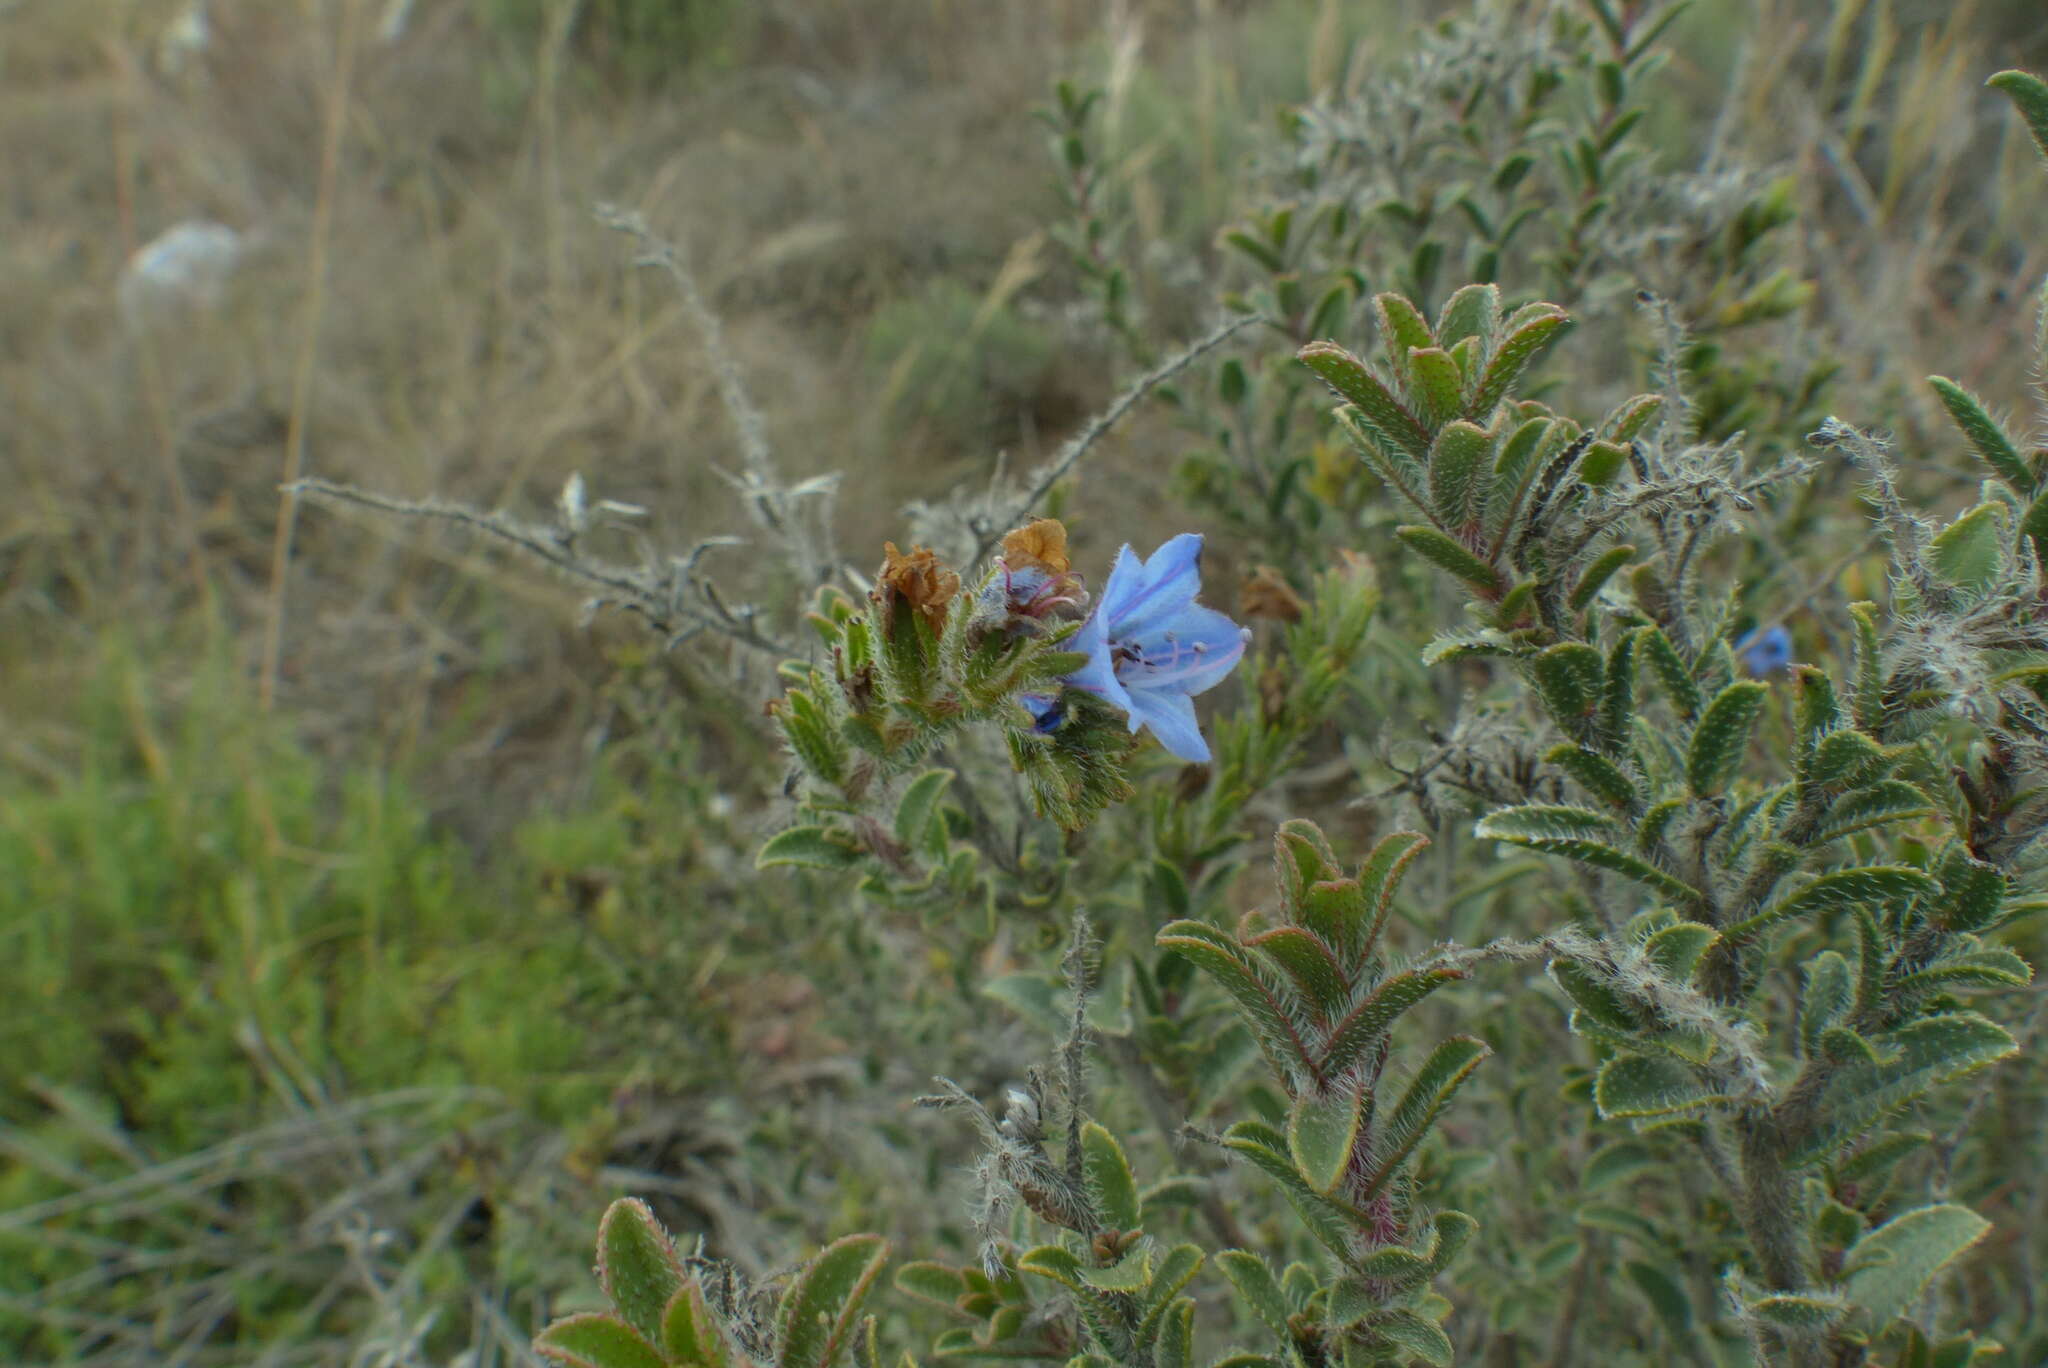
(1634, 990)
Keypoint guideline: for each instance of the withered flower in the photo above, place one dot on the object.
(920, 579)
(1038, 545)
(1265, 593)
(1038, 581)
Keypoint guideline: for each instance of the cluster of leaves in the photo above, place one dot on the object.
(1504, 150)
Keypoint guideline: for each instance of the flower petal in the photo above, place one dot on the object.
(1098, 676)
(1152, 592)
(1191, 651)
(1171, 716)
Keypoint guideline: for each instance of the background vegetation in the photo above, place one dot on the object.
(368, 921)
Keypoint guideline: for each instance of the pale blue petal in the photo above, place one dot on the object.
(1125, 583)
(1171, 716)
(1098, 676)
(1192, 651)
(1167, 583)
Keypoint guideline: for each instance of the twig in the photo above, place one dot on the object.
(772, 501)
(662, 599)
(309, 350)
(1077, 446)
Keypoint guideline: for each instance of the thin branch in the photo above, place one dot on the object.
(1078, 446)
(664, 597)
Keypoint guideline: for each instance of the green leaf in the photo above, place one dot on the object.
(1594, 773)
(2034, 522)
(1175, 1346)
(1460, 469)
(1967, 965)
(1842, 757)
(1830, 993)
(1568, 677)
(1626, 421)
(1530, 333)
(1305, 958)
(1063, 1266)
(1886, 1270)
(808, 847)
(1175, 1271)
(593, 1340)
(1985, 435)
(1721, 736)
(1471, 311)
(1366, 1023)
(1664, 1295)
(1413, 1335)
(1972, 893)
(1883, 884)
(1920, 1055)
(2030, 97)
(1437, 387)
(1258, 1289)
(1649, 1085)
(1868, 705)
(1355, 384)
(919, 805)
(1268, 1007)
(1452, 555)
(1403, 329)
(1582, 835)
(1889, 800)
(932, 1282)
(689, 1334)
(1109, 1179)
(1672, 671)
(637, 1265)
(1267, 1149)
(1676, 950)
(817, 1313)
(1970, 552)
(1129, 1273)
(1596, 575)
(1379, 878)
(1321, 1130)
(1424, 1099)
(1798, 1310)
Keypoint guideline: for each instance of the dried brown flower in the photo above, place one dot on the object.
(1039, 545)
(920, 579)
(1267, 594)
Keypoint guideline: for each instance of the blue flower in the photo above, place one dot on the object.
(1151, 648)
(1766, 651)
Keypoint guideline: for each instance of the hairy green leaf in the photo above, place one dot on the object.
(1985, 435)
(1321, 1130)
(1109, 1179)
(637, 1265)
(1528, 335)
(2030, 97)
(1460, 470)
(592, 1340)
(816, 1315)
(1917, 1056)
(1721, 736)
(1582, 835)
(1886, 1270)
(1449, 554)
(1422, 1101)
(1649, 1085)
(808, 847)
